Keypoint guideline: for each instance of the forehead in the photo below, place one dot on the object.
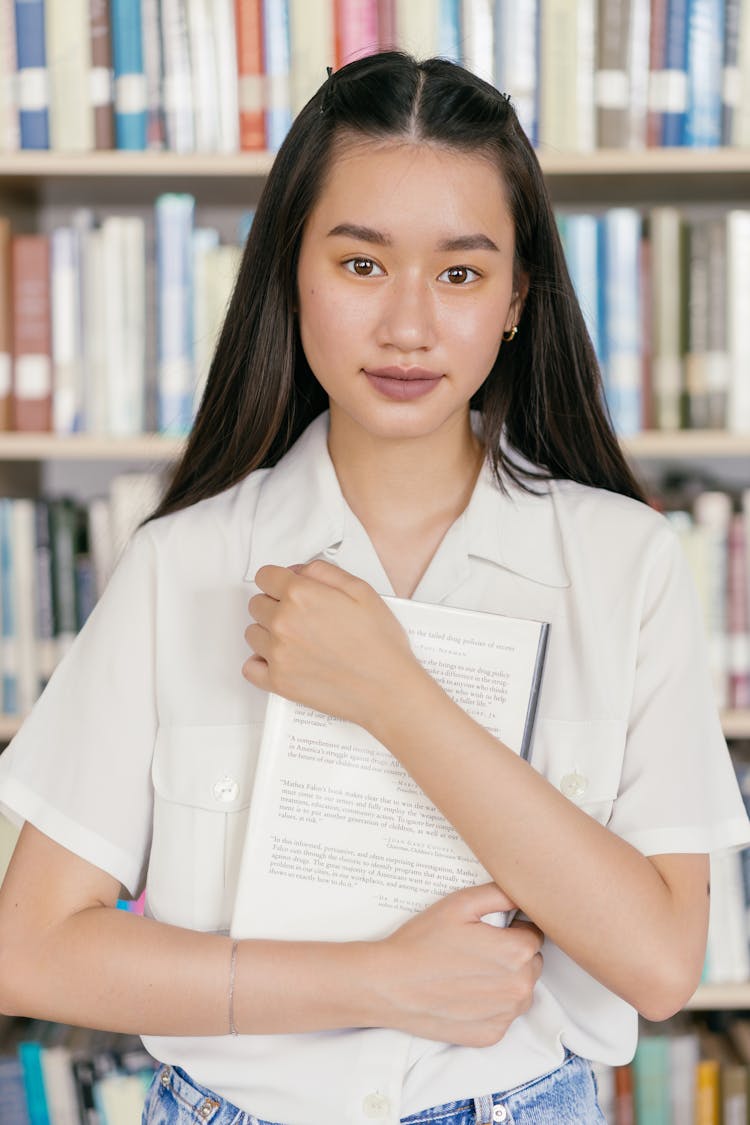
(412, 188)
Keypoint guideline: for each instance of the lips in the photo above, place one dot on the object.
(403, 382)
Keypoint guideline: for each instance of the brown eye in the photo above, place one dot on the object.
(362, 267)
(459, 275)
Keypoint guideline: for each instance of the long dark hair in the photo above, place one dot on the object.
(544, 389)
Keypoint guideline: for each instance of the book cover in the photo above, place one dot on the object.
(516, 59)
(101, 92)
(566, 113)
(177, 88)
(32, 333)
(277, 56)
(225, 64)
(6, 324)
(357, 31)
(738, 323)
(338, 833)
(248, 15)
(68, 35)
(32, 79)
(10, 136)
(129, 73)
(705, 68)
(174, 264)
(675, 75)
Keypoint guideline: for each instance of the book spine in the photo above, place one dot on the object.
(66, 324)
(45, 622)
(68, 32)
(30, 1055)
(712, 511)
(581, 242)
(741, 117)
(478, 33)
(647, 332)
(9, 663)
(651, 1080)
(249, 23)
(174, 234)
(387, 24)
(696, 359)
(558, 103)
(731, 84)
(417, 29)
(624, 1102)
(178, 92)
(621, 246)
(667, 359)
(32, 330)
(717, 359)
(708, 1092)
(738, 326)
(276, 47)
(10, 137)
(657, 59)
(33, 82)
(225, 47)
(130, 75)
(612, 79)
(674, 118)
(449, 30)
(516, 59)
(22, 536)
(356, 29)
(153, 61)
(6, 324)
(124, 269)
(62, 520)
(705, 57)
(100, 80)
(203, 75)
(638, 74)
(738, 615)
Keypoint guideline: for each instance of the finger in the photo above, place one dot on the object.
(259, 640)
(255, 670)
(263, 608)
(274, 580)
(483, 899)
(330, 575)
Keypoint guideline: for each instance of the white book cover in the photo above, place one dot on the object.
(66, 330)
(203, 74)
(341, 843)
(417, 27)
(225, 65)
(95, 319)
(23, 539)
(313, 48)
(124, 265)
(177, 90)
(59, 1086)
(478, 27)
(738, 322)
(68, 45)
(567, 110)
(10, 136)
(516, 58)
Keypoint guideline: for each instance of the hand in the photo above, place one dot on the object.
(448, 976)
(325, 639)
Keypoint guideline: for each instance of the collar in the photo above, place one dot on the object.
(301, 513)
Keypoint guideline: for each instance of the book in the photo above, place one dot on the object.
(624, 1098)
(516, 59)
(46, 652)
(741, 96)
(100, 85)
(738, 614)
(651, 1080)
(32, 333)
(6, 324)
(67, 326)
(68, 45)
(338, 834)
(225, 65)
(130, 74)
(177, 87)
(203, 74)
(684, 1052)
(30, 1055)
(124, 256)
(32, 79)
(277, 55)
(450, 44)
(612, 78)
(705, 57)
(249, 38)
(12, 1091)
(658, 101)
(23, 542)
(675, 74)
(174, 263)
(621, 317)
(667, 258)
(356, 29)
(738, 324)
(417, 29)
(731, 85)
(153, 61)
(708, 1092)
(477, 37)
(10, 137)
(712, 511)
(566, 112)
(312, 44)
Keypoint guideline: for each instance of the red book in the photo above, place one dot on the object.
(387, 24)
(624, 1105)
(249, 25)
(6, 333)
(657, 55)
(356, 29)
(32, 333)
(101, 74)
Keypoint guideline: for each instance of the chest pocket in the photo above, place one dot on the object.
(203, 778)
(583, 760)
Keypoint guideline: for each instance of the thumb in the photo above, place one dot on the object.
(487, 898)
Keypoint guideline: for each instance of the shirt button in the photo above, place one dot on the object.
(376, 1105)
(574, 785)
(499, 1113)
(226, 789)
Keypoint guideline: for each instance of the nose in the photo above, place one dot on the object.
(408, 320)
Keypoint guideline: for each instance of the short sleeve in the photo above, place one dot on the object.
(678, 788)
(79, 769)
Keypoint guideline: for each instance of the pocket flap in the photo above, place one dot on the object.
(208, 767)
(583, 759)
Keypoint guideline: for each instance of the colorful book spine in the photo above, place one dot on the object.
(32, 78)
(130, 75)
(704, 68)
(674, 118)
(176, 376)
(153, 61)
(651, 1080)
(30, 1054)
(101, 92)
(357, 32)
(32, 333)
(248, 16)
(277, 53)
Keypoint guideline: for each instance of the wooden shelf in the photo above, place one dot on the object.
(720, 996)
(86, 447)
(679, 444)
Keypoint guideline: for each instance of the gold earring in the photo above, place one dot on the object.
(508, 336)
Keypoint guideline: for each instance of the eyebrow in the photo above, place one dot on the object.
(377, 238)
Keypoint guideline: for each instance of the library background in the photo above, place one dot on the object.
(134, 140)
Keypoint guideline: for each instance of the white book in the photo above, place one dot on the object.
(312, 45)
(713, 513)
(728, 960)
(205, 239)
(417, 27)
(567, 112)
(154, 68)
(68, 46)
(341, 843)
(10, 137)
(59, 1086)
(177, 90)
(215, 275)
(66, 330)
(124, 271)
(95, 331)
(666, 344)
(225, 65)
(23, 539)
(684, 1053)
(516, 61)
(737, 84)
(478, 27)
(203, 75)
(638, 72)
(738, 322)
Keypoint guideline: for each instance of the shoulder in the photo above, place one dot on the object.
(596, 514)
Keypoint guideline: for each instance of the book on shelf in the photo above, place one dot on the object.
(101, 91)
(68, 47)
(355, 852)
(129, 74)
(32, 332)
(31, 77)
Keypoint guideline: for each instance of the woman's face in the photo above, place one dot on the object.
(405, 285)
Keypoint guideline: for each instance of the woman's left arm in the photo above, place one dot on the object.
(637, 924)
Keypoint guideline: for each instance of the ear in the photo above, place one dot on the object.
(519, 298)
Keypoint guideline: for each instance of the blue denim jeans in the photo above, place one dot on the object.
(565, 1096)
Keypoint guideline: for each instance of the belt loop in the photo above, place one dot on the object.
(483, 1109)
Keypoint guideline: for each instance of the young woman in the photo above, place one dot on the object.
(404, 400)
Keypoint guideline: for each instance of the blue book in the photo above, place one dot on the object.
(651, 1071)
(705, 73)
(33, 89)
(449, 30)
(277, 65)
(580, 235)
(674, 119)
(731, 74)
(620, 318)
(30, 1055)
(175, 215)
(131, 101)
(8, 612)
(13, 1092)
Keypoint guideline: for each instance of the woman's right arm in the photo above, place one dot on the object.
(67, 954)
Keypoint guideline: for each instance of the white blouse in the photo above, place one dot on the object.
(125, 758)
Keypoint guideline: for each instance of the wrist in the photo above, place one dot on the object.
(410, 697)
